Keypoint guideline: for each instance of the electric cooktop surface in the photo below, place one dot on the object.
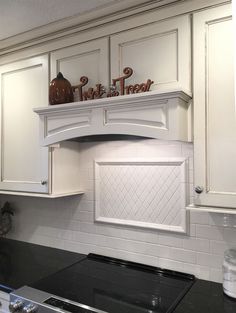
(116, 286)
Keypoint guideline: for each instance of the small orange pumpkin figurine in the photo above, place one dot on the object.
(60, 90)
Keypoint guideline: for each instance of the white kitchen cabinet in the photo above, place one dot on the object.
(214, 109)
(4, 302)
(24, 165)
(159, 51)
(89, 59)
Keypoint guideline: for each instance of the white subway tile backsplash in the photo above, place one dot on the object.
(216, 219)
(170, 264)
(133, 246)
(175, 254)
(47, 241)
(190, 176)
(196, 244)
(228, 220)
(134, 257)
(199, 218)
(192, 229)
(187, 149)
(88, 196)
(139, 258)
(87, 227)
(191, 193)
(129, 234)
(67, 234)
(229, 235)
(83, 216)
(108, 230)
(191, 163)
(79, 247)
(140, 235)
(178, 266)
(161, 151)
(68, 223)
(209, 232)
(206, 258)
(183, 255)
(202, 272)
(218, 247)
(216, 274)
(74, 225)
(170, 240)
(87, 206)
(88, 185)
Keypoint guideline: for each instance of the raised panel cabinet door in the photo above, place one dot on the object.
(159, 51)
(214, 108)
(23, 163)
(89, 59)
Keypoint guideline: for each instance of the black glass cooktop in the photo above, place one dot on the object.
(116, 286)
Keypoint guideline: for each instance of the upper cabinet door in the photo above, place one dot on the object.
(160, 51)
(214, 108)
(89, 59)
(23, 163)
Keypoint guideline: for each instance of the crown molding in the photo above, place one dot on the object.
(79, 24)
(67, 26)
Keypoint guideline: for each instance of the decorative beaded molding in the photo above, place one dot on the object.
(147, 194)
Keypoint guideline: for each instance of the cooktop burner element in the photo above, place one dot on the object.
(103, 284)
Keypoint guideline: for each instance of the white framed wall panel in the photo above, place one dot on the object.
(142, 193)
(89, 59)
(160, 51)
(24, 164)
(214, 108)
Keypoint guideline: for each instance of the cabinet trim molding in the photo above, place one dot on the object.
(42, 195)
(134, 13)
(209, 209)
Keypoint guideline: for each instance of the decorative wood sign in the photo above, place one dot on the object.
(117, 88)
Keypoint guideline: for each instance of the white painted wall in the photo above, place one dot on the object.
(69, 223)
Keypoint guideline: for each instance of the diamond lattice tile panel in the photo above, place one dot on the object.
(148, 194)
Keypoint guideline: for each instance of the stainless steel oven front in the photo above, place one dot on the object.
(30, 300)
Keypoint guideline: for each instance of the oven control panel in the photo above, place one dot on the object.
(66, 306)
(19, 305)
(16, 305)
(30, 300)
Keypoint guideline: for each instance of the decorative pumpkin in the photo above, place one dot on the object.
(60, 90)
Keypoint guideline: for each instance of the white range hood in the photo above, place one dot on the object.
(155, 114)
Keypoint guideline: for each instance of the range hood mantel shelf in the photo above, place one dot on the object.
(155, 114)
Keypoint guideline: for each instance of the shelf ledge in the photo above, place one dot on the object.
(42, 195)
(206, 209)
(155, 114)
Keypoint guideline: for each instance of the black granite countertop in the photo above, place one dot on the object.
(206, 297)
(23, 263)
